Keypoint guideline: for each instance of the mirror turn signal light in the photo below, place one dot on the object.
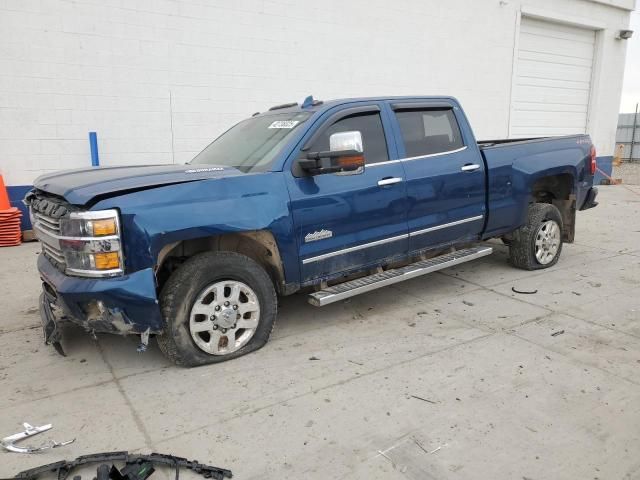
(354, 162)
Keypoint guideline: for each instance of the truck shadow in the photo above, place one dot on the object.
(299, 322)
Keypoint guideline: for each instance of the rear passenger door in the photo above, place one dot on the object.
(445, 176)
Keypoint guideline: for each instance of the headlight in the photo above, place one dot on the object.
(90, 224)
(90, 243)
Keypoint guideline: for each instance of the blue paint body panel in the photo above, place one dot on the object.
(353, 207)
(514, 168)
(365, 225)
(439, 193)
(85, 185)
(157, 217)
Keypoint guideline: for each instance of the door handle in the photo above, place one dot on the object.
(389, 181)
(470, 167)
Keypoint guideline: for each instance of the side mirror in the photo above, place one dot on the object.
(344, 155)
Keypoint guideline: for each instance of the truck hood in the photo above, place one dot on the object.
(83, 185)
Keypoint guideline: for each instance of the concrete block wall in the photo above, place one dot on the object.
(158, 80)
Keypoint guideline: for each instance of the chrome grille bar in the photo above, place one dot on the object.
(47, 223)
(53, 253)
(46, 229)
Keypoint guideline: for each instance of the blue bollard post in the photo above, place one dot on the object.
(93, 144)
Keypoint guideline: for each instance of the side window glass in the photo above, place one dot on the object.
(426, 132)
(369, 125)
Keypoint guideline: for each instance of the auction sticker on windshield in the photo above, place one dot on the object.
(284, 124)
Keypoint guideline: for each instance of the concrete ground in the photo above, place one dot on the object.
(449, 376)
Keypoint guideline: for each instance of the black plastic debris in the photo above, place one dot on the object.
(523, 292)
(136, 467)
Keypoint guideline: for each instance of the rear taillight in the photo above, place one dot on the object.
(594, 165)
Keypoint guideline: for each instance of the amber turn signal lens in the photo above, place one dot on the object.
(351, 162)
(104, 227)
(107, 260)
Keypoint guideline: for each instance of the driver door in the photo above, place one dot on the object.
(350, 220)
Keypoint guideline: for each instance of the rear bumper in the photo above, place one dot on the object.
(590, 200)
(122, 305)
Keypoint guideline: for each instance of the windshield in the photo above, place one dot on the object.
(251, 145)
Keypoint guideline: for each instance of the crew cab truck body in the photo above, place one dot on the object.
(336, 198)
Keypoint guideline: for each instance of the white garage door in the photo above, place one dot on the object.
(552, 79)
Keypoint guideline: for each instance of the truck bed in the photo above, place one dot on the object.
(513, 165)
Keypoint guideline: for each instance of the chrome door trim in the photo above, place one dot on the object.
(389, 240)
(448, 152)
(354, 249)
(388, 162)
(446, 225)
(379, 164)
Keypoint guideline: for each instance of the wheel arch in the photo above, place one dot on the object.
(559, 190)
(259, 245)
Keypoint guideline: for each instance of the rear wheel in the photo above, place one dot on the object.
(537, 244)
(216, 306)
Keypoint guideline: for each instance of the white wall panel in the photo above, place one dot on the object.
(135, 70)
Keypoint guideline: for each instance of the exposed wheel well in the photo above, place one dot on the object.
(558, 190)
(258, 245)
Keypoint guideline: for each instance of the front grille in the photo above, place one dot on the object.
(49, 224)
(54, 254)
(46, 213)
(47, 230)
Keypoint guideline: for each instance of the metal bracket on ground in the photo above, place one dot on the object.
(9, 443)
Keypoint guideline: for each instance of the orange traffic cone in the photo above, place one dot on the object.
(4, 196)
(10, 233)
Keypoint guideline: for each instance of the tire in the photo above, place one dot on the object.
(522, 247)
(187, 292)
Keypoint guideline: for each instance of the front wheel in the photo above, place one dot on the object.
(215, 307)
(537, 244)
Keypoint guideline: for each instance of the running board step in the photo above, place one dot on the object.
(389, 277)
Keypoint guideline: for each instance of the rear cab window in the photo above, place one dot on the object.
(428, 131)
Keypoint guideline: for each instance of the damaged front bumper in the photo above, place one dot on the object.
(122, 305)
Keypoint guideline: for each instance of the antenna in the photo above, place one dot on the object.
(308, 102)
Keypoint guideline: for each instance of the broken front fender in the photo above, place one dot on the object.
(122, 305)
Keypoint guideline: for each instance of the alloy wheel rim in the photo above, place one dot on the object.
(224, 317)
(547, 242)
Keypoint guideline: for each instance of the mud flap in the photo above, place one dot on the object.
(50, 328)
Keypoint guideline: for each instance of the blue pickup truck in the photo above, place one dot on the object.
(331, 198)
